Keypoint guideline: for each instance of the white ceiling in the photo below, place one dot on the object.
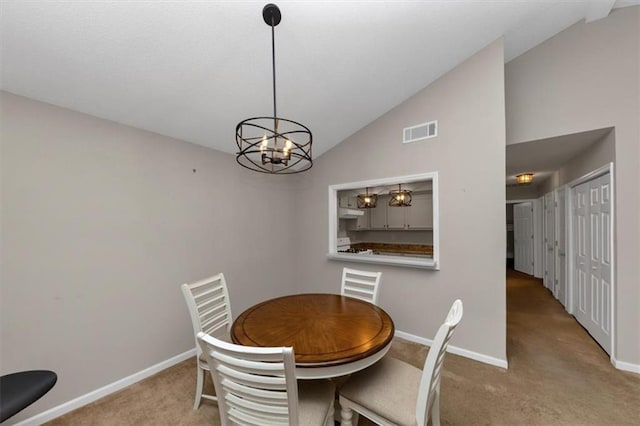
(194, 69)
(543, 157)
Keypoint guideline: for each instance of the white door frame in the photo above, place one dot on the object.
(549, 277)
(564, 231)
(607, 168)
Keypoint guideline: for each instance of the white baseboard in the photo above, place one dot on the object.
(625, 366)
(456, 350)
(90, 397)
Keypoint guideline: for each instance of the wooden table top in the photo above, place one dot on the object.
(324, 329)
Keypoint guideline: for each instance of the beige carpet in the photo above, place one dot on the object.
(557, 376)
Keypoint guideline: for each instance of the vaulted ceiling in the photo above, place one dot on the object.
(193, 69)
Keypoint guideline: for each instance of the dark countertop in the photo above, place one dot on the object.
(416, 249)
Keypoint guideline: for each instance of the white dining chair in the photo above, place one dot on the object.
(210, 311)
(392, 392)
(362, 285)
(257, 386)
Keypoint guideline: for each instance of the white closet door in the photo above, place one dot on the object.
(561, 259)
(592, 219)
(549, 241)
(538, 238)
(523, 237)
(581, 238)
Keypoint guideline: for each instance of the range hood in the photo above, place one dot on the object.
(349, 213)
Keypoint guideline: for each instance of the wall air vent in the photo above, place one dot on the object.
(420, 132)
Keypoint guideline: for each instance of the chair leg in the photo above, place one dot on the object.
(330, 421)
(346, 415)
(435, 410)
(199, 387)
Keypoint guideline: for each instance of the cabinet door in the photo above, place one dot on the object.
(420, 214)
(378, 214)
(363, 221)
(395, 217)
(347, 202)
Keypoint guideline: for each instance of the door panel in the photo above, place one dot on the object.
(605, 260)
(582, 280)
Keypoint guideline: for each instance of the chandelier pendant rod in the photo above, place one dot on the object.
(273, 67)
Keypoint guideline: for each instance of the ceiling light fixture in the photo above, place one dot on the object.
(271, 144)
(400, 197)
(524, 178)
(367, 201)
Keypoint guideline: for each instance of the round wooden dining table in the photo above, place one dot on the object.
(331, 335)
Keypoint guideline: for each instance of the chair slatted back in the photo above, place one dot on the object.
(430, 381)
(209, 307)
(363, 285)
(255, 386)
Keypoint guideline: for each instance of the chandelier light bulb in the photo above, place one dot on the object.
(263, 145)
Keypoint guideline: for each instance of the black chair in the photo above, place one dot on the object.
(19, 390)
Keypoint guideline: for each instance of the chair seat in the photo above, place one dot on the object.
(19, 390)
(390, 386)
(393, 392)
(315, 399)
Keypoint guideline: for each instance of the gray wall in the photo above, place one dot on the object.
(524, 192)
(600, 153)
(101, 223)
(585, 78)
(468, 103)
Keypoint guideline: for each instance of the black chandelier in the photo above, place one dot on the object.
(400, 197)
(367, 201)
(271, 144)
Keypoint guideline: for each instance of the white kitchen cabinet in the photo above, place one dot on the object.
(360, 223)
(396, 217)
(378, 215)
(348, 202)
(418, 216)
